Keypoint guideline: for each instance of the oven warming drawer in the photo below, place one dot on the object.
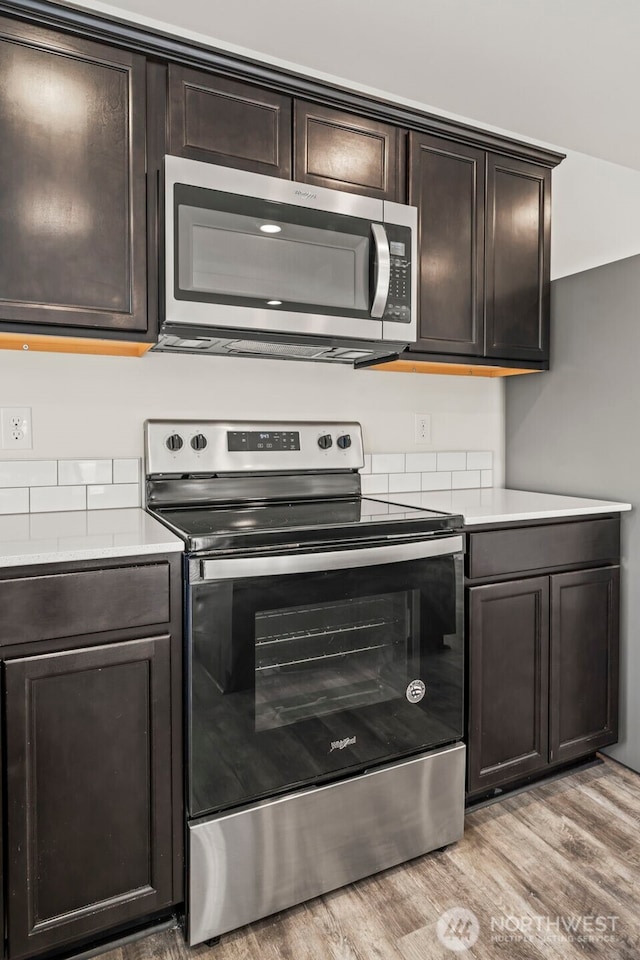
(264, 858)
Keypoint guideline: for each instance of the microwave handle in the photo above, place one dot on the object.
(382, 270)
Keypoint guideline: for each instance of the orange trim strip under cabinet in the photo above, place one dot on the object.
(37, 343)
(452, 369)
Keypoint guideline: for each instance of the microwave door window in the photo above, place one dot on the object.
(226, 257)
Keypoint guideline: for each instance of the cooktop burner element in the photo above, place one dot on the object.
(225, 485)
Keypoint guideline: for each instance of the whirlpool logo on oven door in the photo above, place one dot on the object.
(341, 744)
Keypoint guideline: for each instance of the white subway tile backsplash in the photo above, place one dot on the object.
(125, 471)
(465, 479)
(403, 481)
(452, 461)
(479, 461)
(375, 483)
(48, 499)
(50, 486)
(421, 462)
(108, 496)
(436, 481)
(14, 500)
(85, 471)
(436, 470)
(28, 473)
(387, 463)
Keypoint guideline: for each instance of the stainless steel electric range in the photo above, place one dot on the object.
(324, 664)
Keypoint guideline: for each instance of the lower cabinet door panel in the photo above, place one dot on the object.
(508, 681)
(88, 791)
(584, 662)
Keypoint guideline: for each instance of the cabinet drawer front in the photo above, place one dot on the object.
(521, 549)
(92, 601)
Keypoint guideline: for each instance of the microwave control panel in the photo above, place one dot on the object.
(398, 307)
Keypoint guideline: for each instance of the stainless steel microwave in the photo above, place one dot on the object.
(260, 266)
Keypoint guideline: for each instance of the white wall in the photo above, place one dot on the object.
(596, 214)
(95, 406)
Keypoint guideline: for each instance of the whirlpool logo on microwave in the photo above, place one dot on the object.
(341, 744)
(306, 194)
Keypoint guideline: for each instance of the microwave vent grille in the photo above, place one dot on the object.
(276, 349)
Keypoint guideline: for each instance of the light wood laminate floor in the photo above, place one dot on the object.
(565, 854)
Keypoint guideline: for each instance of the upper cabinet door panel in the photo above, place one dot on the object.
(446, 184)
(228, 122)
(345, 152)
(72, 181)
(517, 268)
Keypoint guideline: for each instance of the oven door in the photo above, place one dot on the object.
(304, 666)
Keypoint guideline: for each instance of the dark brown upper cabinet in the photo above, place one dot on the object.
(346, 152)
(518, 262)
(446, 184)
(229, 122)
(72, 183)
(484, 224)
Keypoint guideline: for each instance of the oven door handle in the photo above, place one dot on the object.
(235, 568)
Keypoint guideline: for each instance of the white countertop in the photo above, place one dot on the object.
(30, 538)
(500, 505)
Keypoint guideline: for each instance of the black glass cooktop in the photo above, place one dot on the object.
(213, 528)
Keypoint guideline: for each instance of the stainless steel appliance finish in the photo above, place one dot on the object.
(253, 862)
(335, 280)
(235, 567)
(325, 664)
(202, 446)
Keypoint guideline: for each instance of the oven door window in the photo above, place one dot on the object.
(295, 678)
(319, 658)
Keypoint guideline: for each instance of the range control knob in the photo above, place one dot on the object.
(325, 441)
(175, 442)
(199, 442)
(344, 441)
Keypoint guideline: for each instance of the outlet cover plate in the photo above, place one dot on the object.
(15, 425)
(422, 428)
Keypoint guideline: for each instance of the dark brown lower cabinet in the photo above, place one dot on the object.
(89, 791)
(508, 680)
(543, 673)
(584, 662)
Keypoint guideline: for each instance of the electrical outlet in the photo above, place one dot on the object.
(423, 428)
(15, 423)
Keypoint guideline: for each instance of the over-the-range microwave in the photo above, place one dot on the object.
(259, 266)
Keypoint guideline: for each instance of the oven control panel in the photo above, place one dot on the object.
(227, 446)
(263, 440)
